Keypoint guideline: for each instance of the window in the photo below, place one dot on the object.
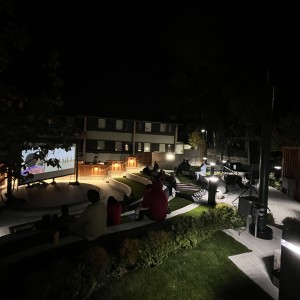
(100, 145)
(140, 126)
(170, 128)
(118, 146)
(162, 148)
(126, 126)
(163, 127)
(126, 147)
(139, 148)
(119, 124)
(101, 123)
(146, 147)
(148, 127)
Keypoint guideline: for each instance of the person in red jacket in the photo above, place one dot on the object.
(114, 211)
(155, 203)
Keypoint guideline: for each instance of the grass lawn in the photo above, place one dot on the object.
(204, 272)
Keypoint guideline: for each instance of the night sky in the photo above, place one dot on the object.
(144, 59)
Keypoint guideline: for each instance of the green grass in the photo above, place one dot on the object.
(204, 272)
(137, 188)
(138, 191)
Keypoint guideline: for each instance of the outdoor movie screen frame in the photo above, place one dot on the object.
(67, 162)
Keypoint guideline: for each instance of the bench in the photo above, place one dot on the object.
(20, 228)
(49, 245)
(17, 247)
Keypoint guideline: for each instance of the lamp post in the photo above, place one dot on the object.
(212, 190)
(204, 133)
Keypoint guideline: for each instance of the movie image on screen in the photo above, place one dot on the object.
(41, 171)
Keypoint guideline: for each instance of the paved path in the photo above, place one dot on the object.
(49, 201)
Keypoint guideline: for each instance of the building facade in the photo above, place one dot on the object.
(108, 139)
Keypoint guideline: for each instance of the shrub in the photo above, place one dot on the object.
(155, 248)
(129, 253)
(79, 278)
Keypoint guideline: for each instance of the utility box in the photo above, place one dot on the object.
(246, 204)
(246, 209)
(289, 186)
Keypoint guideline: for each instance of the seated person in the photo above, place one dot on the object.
(147, 170)
(114, 211)
(187, 165)
(178, 170)
(155, 203)
(65, 220)
(127, 202)
(202, 170)
(170, 182)
(155, 166)
(44, 223)
(92, 222)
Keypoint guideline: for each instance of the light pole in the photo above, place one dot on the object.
(204, 133)
(212, 190)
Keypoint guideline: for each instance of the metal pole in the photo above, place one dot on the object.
(262, 230)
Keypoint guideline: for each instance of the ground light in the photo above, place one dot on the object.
(212, 190)
(212, 168)
(289, 263)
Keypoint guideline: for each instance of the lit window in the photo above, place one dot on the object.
(148, 127)
(126, 147)
(146, 147)
(162, 148)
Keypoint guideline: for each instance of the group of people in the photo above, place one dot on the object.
(91, 223)
(183, 166)
(151, 171)
(98, 215)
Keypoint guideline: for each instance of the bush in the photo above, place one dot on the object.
(79, 278)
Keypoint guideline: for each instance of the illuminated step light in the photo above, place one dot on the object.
(290, 246)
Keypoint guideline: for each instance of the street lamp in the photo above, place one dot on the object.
(204, 132)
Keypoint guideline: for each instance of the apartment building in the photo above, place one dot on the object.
(109, 139)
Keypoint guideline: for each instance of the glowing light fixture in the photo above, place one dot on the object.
(170, 156)
(290, 246)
